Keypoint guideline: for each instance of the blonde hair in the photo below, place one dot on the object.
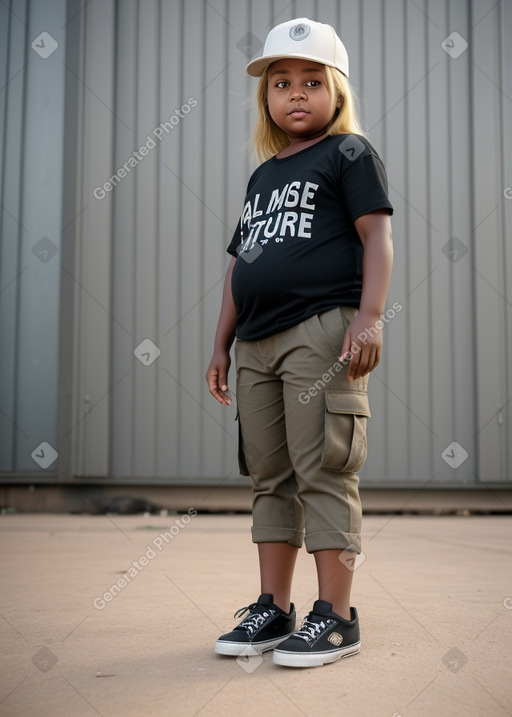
(268, 139)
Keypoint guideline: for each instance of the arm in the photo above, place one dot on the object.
(374, 230)
(217, 373)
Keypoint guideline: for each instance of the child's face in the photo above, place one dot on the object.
(298, 98)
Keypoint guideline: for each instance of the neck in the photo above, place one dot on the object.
(299, 143)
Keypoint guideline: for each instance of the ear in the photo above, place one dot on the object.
(339, 103)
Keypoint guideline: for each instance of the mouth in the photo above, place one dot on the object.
(298, 111)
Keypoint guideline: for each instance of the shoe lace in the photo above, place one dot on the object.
(255, 619)
(310, 628)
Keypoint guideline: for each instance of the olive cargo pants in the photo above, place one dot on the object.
(302, 434)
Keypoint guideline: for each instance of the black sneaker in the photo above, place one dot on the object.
(323, 637)
(264, 628)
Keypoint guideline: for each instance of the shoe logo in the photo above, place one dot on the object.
(335, 638)
(299, 32)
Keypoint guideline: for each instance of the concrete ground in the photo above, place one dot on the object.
(434, 596)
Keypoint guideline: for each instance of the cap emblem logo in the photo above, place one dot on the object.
(299, 32)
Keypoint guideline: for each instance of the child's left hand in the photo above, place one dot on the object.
(363, 345)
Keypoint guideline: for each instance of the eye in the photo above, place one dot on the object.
(313, 83)
(282, 84)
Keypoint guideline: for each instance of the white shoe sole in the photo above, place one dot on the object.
(313, 659)
(247, 648)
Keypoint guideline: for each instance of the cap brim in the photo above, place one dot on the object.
(256, 67)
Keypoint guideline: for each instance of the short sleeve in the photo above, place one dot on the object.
(364, 185)
(235, 242)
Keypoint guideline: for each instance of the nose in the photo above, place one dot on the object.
(297, 93)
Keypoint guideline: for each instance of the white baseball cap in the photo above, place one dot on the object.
(302, 39)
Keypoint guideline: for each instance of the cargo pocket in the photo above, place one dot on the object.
(346, 414)
(242, 465)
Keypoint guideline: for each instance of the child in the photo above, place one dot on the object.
(304, 294)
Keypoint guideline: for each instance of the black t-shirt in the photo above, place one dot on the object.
(298, 252)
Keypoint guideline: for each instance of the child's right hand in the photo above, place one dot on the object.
(217, 377)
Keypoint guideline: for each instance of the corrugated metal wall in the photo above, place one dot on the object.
(156, 104)
(31, 151)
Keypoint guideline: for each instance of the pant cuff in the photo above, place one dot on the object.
(278, 535)
(333, 540)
